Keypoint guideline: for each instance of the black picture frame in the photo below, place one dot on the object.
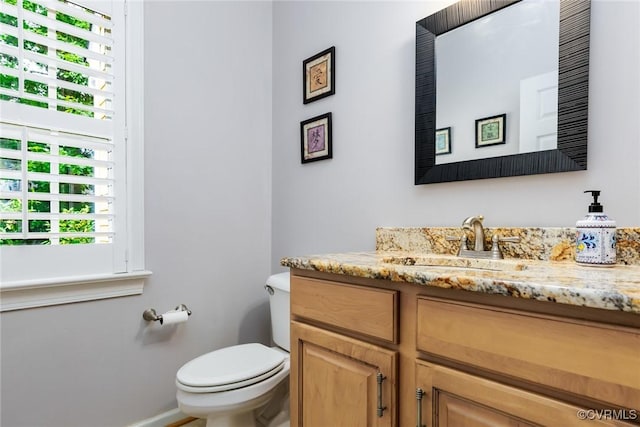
(573, 98)
(316, 139)
(318, 76)
(443, 141)
(491, 131)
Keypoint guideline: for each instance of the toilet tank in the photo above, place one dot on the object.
(278, 288)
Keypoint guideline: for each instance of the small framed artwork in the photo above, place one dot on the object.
(315, 138)
(491, 131)
(319, 75)
(443, 141)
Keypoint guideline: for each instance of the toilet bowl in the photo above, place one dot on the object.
(230, 386)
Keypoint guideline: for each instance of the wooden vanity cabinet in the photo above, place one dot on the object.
(339, 377)
(455, 358)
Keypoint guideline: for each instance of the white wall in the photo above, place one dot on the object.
(334, 205)
(208, 228)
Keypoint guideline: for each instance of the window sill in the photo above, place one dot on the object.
(42, 293)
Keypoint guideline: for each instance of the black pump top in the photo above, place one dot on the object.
(595, 206)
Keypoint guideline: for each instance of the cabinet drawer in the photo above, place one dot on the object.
(365, 310)
(586, 358)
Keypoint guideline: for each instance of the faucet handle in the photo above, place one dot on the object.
(463, 242)
(496, 253)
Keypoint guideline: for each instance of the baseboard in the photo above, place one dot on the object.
(173, 417)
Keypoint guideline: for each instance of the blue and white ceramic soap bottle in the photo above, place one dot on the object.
(596, 236)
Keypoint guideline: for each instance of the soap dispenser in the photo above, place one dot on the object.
(596, 236)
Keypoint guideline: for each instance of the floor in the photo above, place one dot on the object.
(199, 422)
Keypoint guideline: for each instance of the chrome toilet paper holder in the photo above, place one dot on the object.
(151, 315)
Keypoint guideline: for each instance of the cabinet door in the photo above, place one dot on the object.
(454, 398)
(338, 381)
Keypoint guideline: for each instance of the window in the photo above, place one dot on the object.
(67, 185)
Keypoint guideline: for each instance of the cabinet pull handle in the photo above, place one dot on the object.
(419, 394)
(380, 378)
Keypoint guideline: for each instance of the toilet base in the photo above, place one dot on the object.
(274, 413)
(238, 415)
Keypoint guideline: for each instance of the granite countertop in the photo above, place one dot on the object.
(557, 280)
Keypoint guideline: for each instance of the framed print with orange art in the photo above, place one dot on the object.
(319, 75)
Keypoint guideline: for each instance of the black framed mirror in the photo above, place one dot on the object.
(572, 93)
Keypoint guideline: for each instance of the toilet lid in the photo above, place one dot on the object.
(231, 367)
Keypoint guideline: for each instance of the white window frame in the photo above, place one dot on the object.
(38, 292)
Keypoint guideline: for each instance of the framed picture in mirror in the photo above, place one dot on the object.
(491, 131)
(443, 141)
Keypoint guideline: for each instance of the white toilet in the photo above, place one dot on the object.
(230, 386)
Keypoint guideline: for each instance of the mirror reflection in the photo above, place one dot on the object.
(493, 127)
(504, 66)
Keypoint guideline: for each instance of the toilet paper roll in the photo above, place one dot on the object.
(173, 316)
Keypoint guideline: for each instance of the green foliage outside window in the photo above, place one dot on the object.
(37, 88)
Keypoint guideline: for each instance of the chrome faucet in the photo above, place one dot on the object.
(475, 223)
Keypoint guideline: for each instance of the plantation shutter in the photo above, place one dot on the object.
(62, 127)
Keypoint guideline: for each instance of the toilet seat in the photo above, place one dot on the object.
(229, 368)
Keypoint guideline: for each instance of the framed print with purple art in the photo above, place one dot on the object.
(315, 138)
